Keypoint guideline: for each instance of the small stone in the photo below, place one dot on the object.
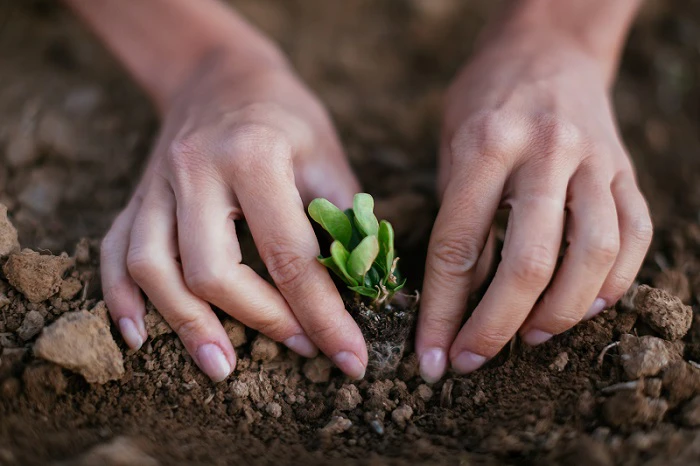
(631, 409)
(70, 287)
(690, 415)
(239, 389)
(318, 369)
(9, 242)
(424, 392)
(31, 325)
(347, 398)
(36, 276)
(402, 415)
(560, 362)
(82, 251)
(120, 451)
(647, 355)
(235, 331)
(155, 324)
(263, 349)
(274, 409)
(664, 313)
(80, 342)
(337, 425)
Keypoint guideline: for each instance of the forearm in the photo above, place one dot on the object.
(161, 42)
(598, 26)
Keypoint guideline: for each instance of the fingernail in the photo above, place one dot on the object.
(598, 305)
(467, 362)
(131, 335)
(213, 362)
(350, 364)
(433, 363)
(536, 337)
(301, 344)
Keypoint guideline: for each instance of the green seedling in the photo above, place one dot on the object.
(362, 252)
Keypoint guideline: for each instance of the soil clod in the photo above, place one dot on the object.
(647, 355)
(36, 276)
(664, 313)
(8, 234)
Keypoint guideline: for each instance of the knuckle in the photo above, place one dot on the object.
(556, 133)
(484, 133)
(206, 283)
(142, 265)
(618, 282)
(454, 256)
(324, 332)
(533, 265)
(286, 268)
(642, 229)
(188, 327)
(603, 247)
(186, 150)
(260, 149)
(489, 342)
(563, 321)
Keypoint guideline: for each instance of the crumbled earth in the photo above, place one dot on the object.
(621, 389)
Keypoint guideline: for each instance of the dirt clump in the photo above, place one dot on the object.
(675, 282)
(155, 324)
(70, 287)
(235, 331)
(664, 313)
(9, 241)
(263, 349)
(681, 382)
(120, 451)
(318, 369)
(647, 355)
(347, 398)
(337, 425)
(31, 325)
(690, 414)
(36, 276)
(629, 409)
(79, 341)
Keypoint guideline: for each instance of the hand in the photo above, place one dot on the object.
(528, 126)
(239, 141)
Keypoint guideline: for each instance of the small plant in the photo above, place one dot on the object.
(362, 252)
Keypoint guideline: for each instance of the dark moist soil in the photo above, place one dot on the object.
(74, 133)
(388, 331)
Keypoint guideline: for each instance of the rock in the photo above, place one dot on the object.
(80, 342)
(121, 451)
(70, 287)
(318, 369)
(647, 355)
(82, 251)
(274, 409)
(690, 415)
(36, 276)
(9, 241)
(337, 425)
(424, 392)
(101, 312)
(681, 382)
(631, 409)
(235, 331)
(674, 282)
(155, 324)
(560, 362)
(31, 325)
(402, 415)
(664, 313)
(263, 349)
(347, 398)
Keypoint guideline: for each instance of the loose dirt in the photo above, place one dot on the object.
(621, 389)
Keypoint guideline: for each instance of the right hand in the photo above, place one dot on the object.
(238, 142)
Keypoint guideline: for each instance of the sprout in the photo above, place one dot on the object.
(362, 252)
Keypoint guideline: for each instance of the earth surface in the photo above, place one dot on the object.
(621, 389)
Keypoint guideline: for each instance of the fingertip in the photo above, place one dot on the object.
(213, 362)
(351, 364)
(466, 362)
(302, 345)
(133, 337)
(432, 364)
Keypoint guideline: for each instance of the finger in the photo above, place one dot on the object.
(529, 256)
(636, 232)
(122, 295)
(330, 178)
(593, 244)
(152, 263)
(211, 260)
(288, 246)
(456, 243)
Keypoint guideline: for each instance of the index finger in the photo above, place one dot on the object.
(288, 246)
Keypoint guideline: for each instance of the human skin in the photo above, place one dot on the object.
(528, 126)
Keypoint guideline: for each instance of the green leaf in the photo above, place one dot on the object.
(365, 291)
(386, 246)
(373, 278)
(341, 256)
(332, 219)
(362, 257)
(356, 235)
(394, 288)
(329, 262)
(363, 207)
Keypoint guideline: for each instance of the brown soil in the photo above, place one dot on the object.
(73, 136)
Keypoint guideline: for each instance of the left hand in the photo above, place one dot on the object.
(528, 126)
